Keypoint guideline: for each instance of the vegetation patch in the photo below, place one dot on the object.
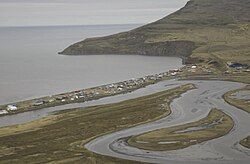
(240, 103)
(215, 125)
(246, 142)
(206, 30)
(243, 104)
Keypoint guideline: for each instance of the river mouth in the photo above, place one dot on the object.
(208, 95)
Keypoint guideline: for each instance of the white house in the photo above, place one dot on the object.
(120, 89)
(3, 112)
(194, 66)
(174, 73)
(11, 107)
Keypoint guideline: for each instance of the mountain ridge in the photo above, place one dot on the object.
(197, 30)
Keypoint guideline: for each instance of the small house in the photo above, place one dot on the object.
(3, 112)
(174, 73)
(38, 102)
(11, 108)
(237, 65)
(51, 100)
(120, 89)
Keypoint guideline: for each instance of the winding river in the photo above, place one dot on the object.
(29, 70)
(191, 106)
(36, 114)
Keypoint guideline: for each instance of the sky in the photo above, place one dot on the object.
(84, 12)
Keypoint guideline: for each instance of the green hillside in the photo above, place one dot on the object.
(202, 30)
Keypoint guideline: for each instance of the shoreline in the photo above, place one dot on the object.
(106, 118)
(187, 72)
(181, 74)
(84, 95)
(115, 148)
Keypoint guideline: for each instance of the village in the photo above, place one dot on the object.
(123, 87)
(84, 95)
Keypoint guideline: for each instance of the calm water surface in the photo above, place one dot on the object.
(30, 66)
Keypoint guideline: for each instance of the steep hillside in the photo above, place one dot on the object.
(203, 30)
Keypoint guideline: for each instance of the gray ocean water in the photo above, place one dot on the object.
(30, 66)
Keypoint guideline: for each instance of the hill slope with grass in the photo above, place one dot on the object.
(202, 30)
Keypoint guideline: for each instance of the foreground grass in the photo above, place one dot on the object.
(246, 142)
(215, 125)
(243, 104)
(59, 138)
(239, 103)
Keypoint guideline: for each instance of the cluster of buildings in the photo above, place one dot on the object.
(105, 90)
(88, 94)
(8, 109)
(100, 91)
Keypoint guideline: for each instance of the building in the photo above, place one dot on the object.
(194, 66)
(11, 108)
(38, 102)
(237, 65)
(3, 112)
(174, 73)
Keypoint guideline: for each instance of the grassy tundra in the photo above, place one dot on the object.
(243, 104)
(60, 137)
(215, 125)
(202, 31)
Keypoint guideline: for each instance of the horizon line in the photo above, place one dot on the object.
(119, 24)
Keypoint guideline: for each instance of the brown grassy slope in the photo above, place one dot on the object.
(217, 29)
(61, 137)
